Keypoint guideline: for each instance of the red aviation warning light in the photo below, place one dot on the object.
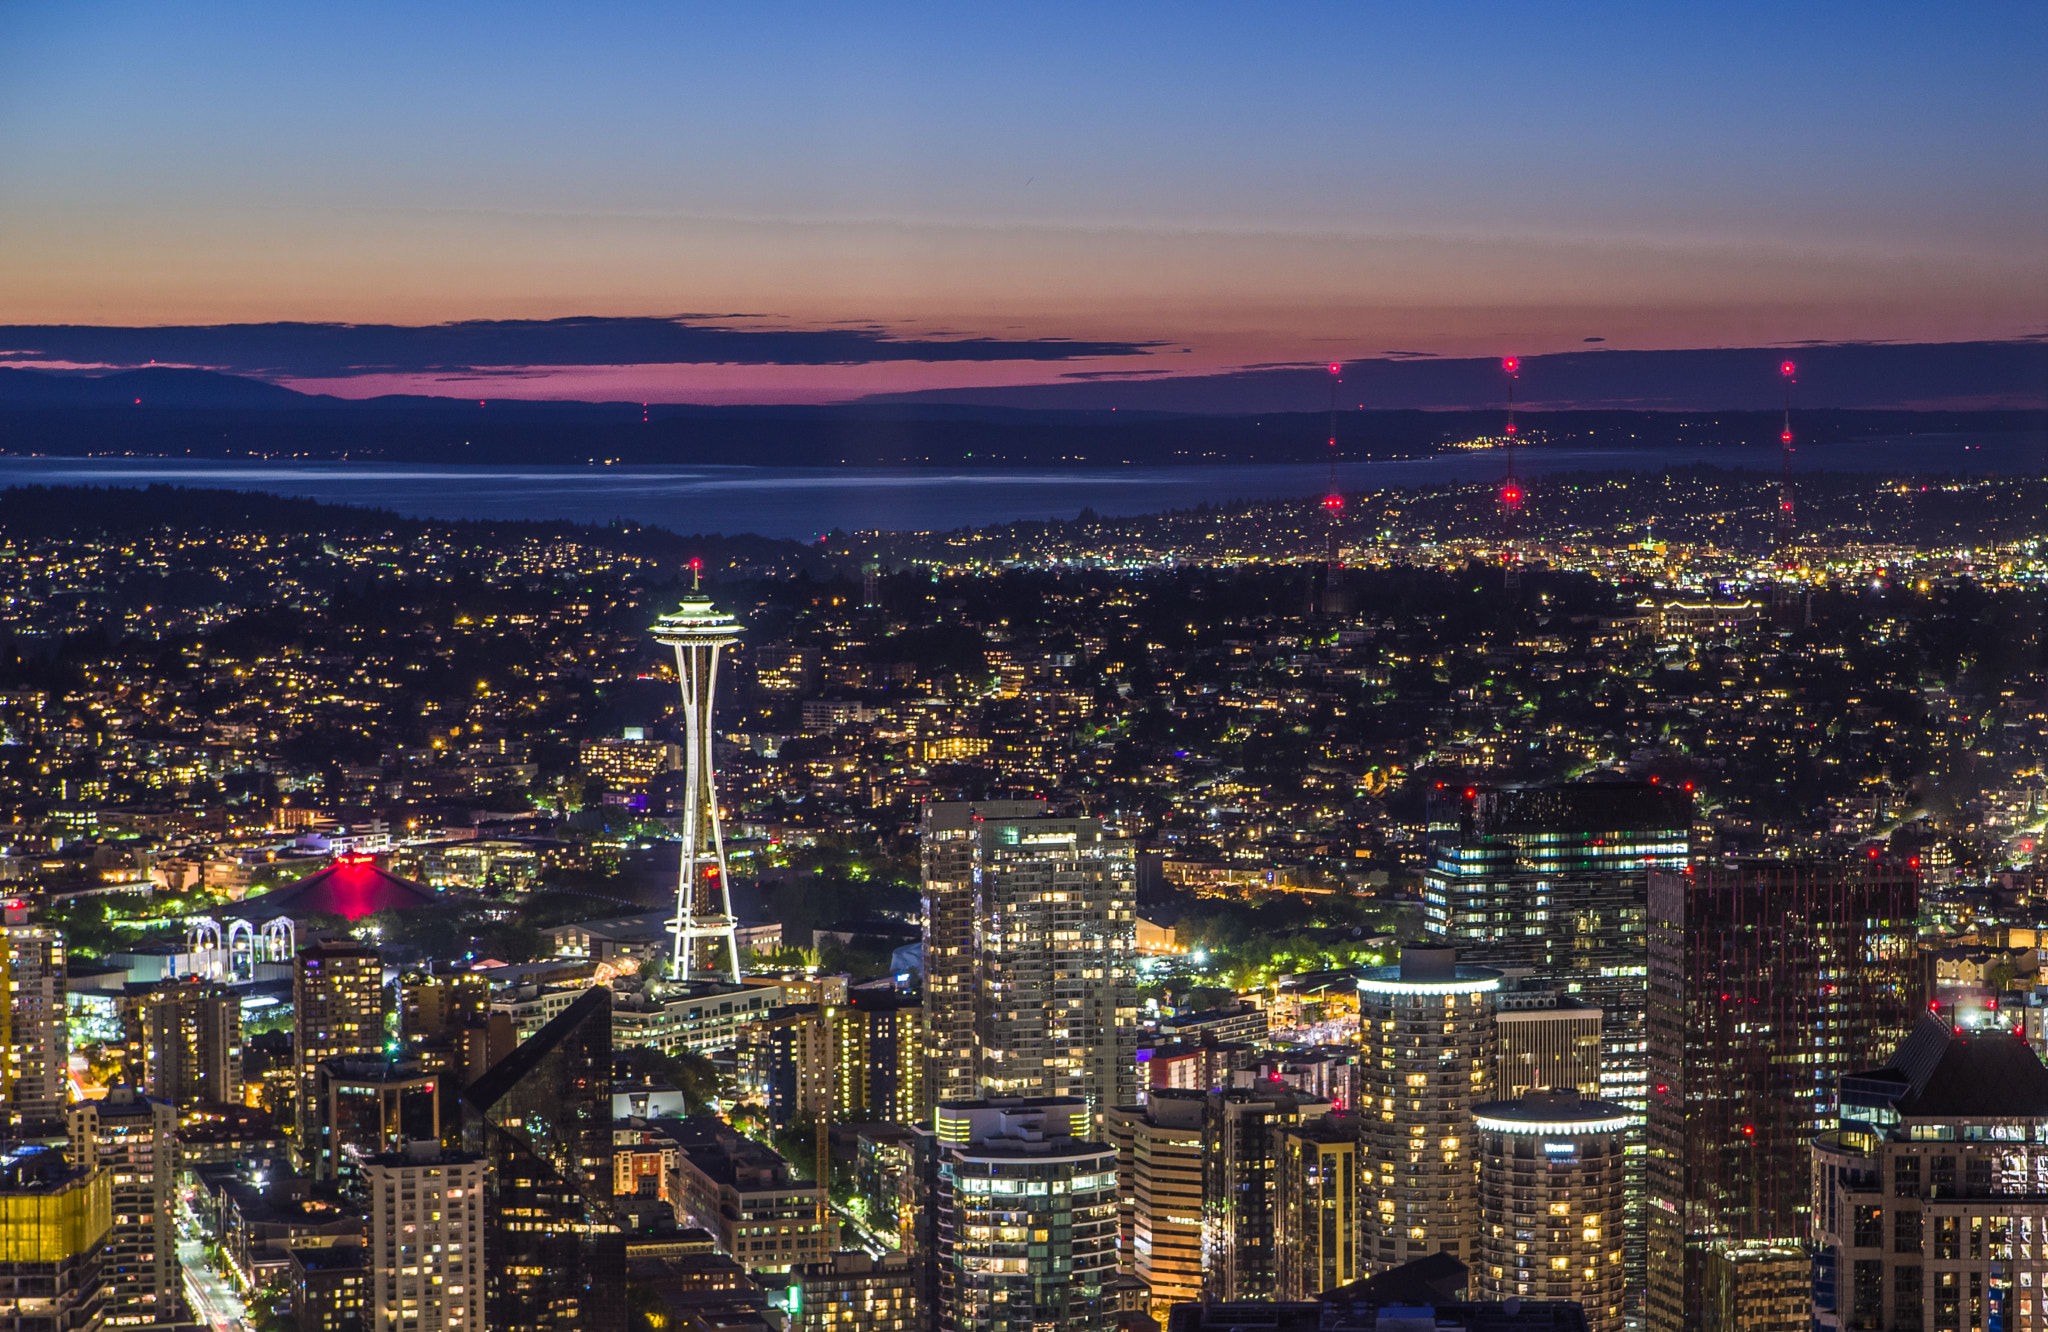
(1511, 495)
(1511, 365)
(1333, 503)
(1335, 368)
(1788, 369)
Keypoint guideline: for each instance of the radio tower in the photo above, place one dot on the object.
(1510, 490)
(1787, 528)
(1333, 503)
(703, 916)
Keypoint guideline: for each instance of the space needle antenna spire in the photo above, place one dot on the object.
(1510, 489)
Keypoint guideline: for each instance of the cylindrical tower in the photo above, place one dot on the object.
(1427, 1031)
(1550, 1197)
(703, 917)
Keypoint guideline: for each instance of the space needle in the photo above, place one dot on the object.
(703, 916)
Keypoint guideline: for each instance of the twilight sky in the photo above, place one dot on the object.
(1256, 184)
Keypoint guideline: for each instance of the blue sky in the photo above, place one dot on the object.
(1258, 183)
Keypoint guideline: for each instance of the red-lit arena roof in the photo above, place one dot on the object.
(350, 888)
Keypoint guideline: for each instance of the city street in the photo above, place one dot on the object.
(214, 1302)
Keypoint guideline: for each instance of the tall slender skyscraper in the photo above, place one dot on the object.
(1426, 1028)
(1767, 982)
(542, 1121)
(34, 1049)
(1159, 1192)
(1030, 955)
(185, 1044)
(1242, 1196)
(704, 918)
(1555, 879)
(337, 1011)
(135, 1140)
(427, 1257)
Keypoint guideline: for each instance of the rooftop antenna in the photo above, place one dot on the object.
(1510, 489)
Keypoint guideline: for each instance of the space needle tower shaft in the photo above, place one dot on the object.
(698, 633)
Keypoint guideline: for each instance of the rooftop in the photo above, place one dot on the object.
(348, 888)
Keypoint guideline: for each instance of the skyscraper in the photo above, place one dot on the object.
(950, 854)
(134, 1139)
(446, 1023)
(1555, 879)
(367, 1106)
(1159, 1192)
(1545, 1041)
(1426, 1028)
(1030, 961)
(1025, 1217)
(1550, 1198)
(35, 1049)
(1767, 981)
(1930, 1206)
(542, 1120)
(54, 1218)
(337, 1011)
(1318, 1233)
(427, 1250)
(1242, 1163)
(704, 918)
(185, 1044)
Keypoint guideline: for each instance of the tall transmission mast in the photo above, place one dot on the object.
(1510, 490)
(1788, 529)
(1333, 502)
(703, 918)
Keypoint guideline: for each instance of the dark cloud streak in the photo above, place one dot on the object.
(332, 351)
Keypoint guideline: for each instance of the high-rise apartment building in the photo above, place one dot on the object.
(185, 1044)
(871, 1051)
(1929, 1202)
(1030, 957)
(852, 1292)
(134, 1139)
(446, 1023)
(1555, 879)
(1545, 1041)
(55, 1215)
(1768, 980)
(337, 1011)
(542, 1120)
(1318, 1232)
(1159, 1192)
(427, 1249)
(1550, 1198)
(1426, 1030)
(1242, 1163)
(1024, 1217)
(368, 1106)
(35, 1048)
